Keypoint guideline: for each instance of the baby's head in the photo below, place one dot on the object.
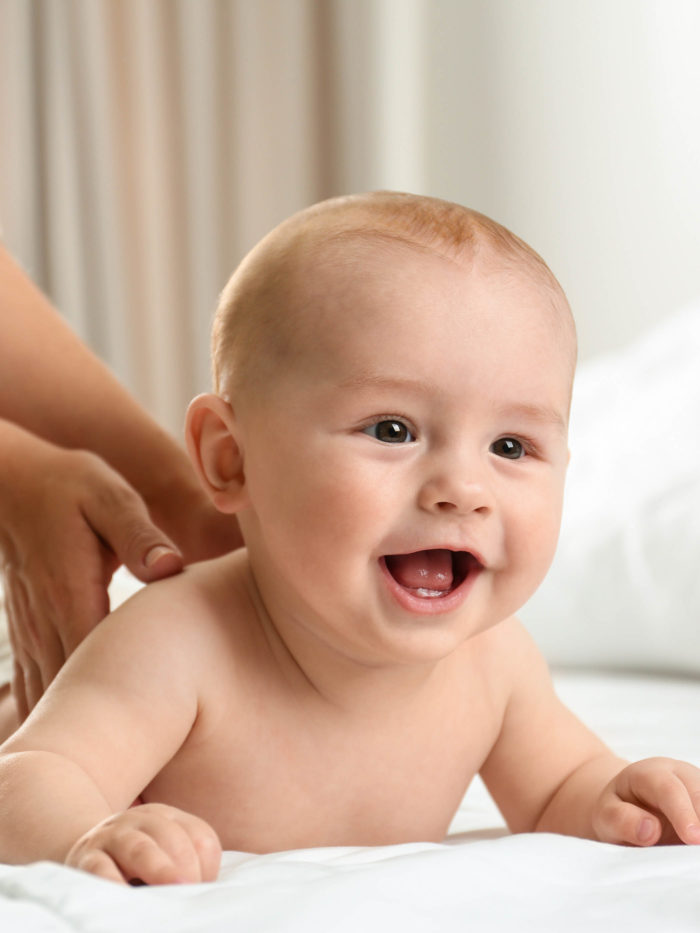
(269, 309)
(393, 378)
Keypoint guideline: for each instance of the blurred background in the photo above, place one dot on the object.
(146, 145)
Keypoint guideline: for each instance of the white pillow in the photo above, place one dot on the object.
(624, 588)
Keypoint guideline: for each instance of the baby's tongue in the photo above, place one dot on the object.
(430, 570)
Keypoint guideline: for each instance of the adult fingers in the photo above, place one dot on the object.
(120, 518)
(19, 681)
(27, 687)
(19, 692)
(37, 649)
(50, 609)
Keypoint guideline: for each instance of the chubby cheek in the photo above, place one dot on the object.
(532, 540)
(316, 507)
(350, 503)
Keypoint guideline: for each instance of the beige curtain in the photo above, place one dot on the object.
(147, 159)
(145, 145)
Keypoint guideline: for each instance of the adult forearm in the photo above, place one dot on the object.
(46, 803)
(54, 386)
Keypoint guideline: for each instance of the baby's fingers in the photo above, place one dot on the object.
(193, 844)
(671, 789)
(655, 800)
(625, 823)
(141, 858)
(167, 846)
(126, 856)
(96, 862)
(149, 844)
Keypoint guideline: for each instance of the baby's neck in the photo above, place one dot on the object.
(355, 685)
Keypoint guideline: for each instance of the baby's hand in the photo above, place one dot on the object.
(652, 801)
(149, 844)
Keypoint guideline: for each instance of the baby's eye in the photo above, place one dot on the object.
(390, 431)
(508, 447)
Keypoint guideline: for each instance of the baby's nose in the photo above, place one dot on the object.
(459, 490)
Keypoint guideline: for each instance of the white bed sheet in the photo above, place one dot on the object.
(479, 879)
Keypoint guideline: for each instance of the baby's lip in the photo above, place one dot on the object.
(456, 550)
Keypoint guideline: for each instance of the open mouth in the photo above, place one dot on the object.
(431, 574)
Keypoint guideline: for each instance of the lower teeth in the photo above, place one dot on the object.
(422, 591)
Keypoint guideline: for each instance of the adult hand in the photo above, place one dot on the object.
(67, 521)
(149, 844)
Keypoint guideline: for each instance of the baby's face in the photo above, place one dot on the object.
(406, 471)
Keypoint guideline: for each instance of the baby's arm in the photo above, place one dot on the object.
(656, 800)
(52, 809)
(119, 710)
(548, 772)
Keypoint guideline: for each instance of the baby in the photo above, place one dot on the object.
(393, 378)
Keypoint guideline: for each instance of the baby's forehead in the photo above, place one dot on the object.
(354, 261)
(375, 315)
(304, 276)
(345, 280)
(362, 280)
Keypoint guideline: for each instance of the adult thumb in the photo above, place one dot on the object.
(159, 559)
(149, 555)
(136, 542)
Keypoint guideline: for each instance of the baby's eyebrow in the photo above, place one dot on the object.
(544, 414)
(541, 413)
(377, 381)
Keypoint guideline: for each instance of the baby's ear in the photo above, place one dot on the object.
(215, 452)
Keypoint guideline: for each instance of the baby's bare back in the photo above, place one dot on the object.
(272, 764)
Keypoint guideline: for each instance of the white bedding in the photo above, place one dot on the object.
(479, 879)
(521, 883)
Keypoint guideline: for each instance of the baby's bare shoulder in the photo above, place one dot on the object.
(504, 656)
(211, 588)
(190, 613)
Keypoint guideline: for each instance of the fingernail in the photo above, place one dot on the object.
(155, 554)
(694, 832)
(645, 830)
